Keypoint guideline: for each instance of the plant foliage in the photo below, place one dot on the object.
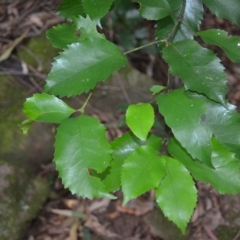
(205, 140)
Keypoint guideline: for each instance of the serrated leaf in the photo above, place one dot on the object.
(177, 195)
(182, 115)
(140, 119)
(81, 145)
(142, 171)
(156, 89)
(46, 108)
(202, 73)
(88, 28)
(70, 9)
(62, 35)
(122, 148)
(225, 178)
(225, 9)
(82, 65)
(224, 124)
(96, 9)
(229, 44)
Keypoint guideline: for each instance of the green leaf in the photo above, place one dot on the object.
(230, 45)
(182, 115)
(202, 73)
(190, 14)
(140, 119)
(157, 89)
(25, 125)
(225, 178)
(62, 35)
(96, 9)
(224, 124)
(142, 171)
(155, 9)
(88, 28)
(81, 145)
(82, 65)
(70, 9)
(225, 9)
(46, 108)
(122, 148)
(177, 195)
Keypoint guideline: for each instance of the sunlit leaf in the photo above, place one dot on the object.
(81, 145)
(177, 195)
(88, 28)
(140, 119)
(142, 171)
(46, 108)
(82, 65)
(225, 9)
(202, 73)
(182, 115)
(225, 177)
(230, 44)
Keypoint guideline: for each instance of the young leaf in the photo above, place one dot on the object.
(225, 178)
(88, 28)
(182, 115)
(156, 89)
(122, 148)
(142, 171)
(230, 45)
(225, 9)
(140, 119)
(96, 9)
(70, 9)
(202, 73)
(81, 145)
(176, 195)
(62, 35)
(46, 108)
(82, 65)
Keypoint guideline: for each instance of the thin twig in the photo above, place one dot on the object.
(238, 235)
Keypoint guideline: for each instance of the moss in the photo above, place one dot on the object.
(226, 233)
(38, 53)
(22, 197)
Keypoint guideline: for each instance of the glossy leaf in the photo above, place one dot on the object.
(82, 65)
(70, 9)
(230, 45)
(122, 148)
(96, 9)
(202, 73)
(140, 119)
(182, 115)
(155, 9)
(142, 171)
(62, 35)
(88, 28)
(177, 195)
(225, 9)
(191, 15)
(81, 145)
(225, 177)
(224, 124)
(46, 108)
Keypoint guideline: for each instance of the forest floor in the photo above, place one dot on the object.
(68, 217)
